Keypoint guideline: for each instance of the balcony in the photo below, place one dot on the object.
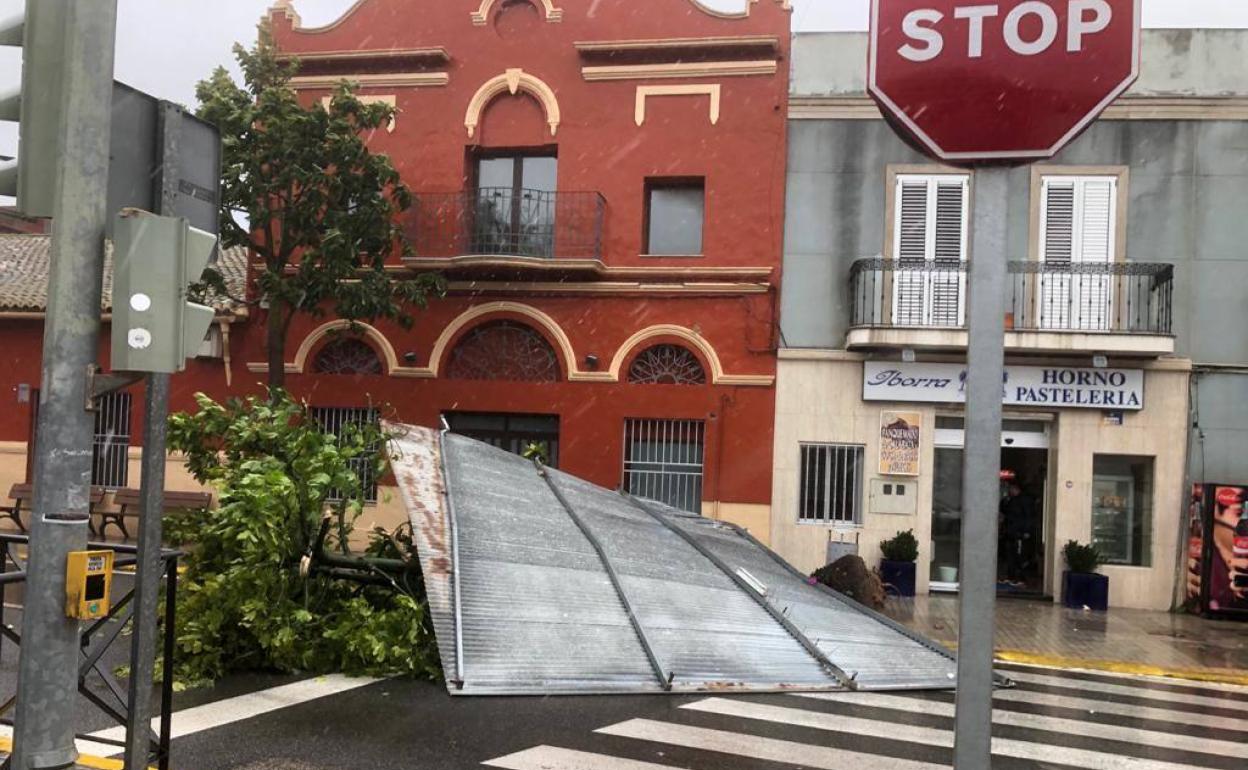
(505, 229)
(1122, 308)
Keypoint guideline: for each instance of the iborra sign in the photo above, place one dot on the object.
(1007, 80)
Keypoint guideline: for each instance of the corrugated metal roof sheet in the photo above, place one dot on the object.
(540, 582)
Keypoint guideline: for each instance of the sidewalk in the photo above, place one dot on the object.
(1125, 641)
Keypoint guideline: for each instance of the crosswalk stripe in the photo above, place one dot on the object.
(1052, 680)
(756, 747)
(839, 723)
(1037, 722)
(555, 758)
(1235, 691)
(1121, 709)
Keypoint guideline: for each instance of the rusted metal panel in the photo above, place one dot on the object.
(538, 612)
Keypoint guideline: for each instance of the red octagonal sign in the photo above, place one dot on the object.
(1005, 80)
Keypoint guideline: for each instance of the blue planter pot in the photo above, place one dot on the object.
(898, 577)
(1081, 589)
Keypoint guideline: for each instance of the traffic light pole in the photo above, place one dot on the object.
(48, 666)
(981, 471)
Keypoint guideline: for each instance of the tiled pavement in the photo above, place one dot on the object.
(1126, 640)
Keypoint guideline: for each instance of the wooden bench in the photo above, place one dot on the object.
(130, 507)
(22, 496)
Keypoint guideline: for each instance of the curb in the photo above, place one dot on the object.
(1216, 675)
(84, 760)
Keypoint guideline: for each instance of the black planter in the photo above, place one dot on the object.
(1084, 589)
(898, 577)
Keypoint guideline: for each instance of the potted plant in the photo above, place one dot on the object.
(1082, 585)
(897, 567)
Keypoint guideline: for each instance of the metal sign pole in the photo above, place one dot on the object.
(152, 490)
(981, 470)
(48, 666)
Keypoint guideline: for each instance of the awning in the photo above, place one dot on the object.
(541, 583)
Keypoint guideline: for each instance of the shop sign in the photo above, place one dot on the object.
(899, 443)
(1044, 386)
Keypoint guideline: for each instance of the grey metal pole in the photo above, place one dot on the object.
(981, 472)
(147, 574)
(151, 493)
(47, 668)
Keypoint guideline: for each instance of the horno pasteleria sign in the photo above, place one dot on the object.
(1059, 387)
(899, 443)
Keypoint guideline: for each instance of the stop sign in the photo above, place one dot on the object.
(1011, 79)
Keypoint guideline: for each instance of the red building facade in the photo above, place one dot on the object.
(602, 184)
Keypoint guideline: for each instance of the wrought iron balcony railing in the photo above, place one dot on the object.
(1114, 298)
(501, 221)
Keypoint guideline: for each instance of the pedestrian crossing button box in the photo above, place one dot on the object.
(88, 584)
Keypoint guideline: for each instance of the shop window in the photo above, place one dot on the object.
(830, 484)
(663, 461)
(347, 355)
(337, 420)
(503, 350)
(111, 446)
(675, 214)
(666, 365)
(515, 433)
(1122, 508)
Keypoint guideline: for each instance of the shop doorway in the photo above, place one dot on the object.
(1024, 495)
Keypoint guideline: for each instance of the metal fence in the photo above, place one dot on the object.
(1115, 297)
(507, 222)
(663, 461)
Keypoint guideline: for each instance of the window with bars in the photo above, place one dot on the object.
(831, 484)
(1078, 220)
(929, 246)
(512, 432)
(663, 461)
(110, 448)
(335, 420)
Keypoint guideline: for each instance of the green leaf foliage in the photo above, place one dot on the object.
(1082, 558)
(901, 547)
(302, 191)
(243, 602)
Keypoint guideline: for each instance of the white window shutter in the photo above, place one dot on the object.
(913, 226)
(947, 283)
(1078, 222)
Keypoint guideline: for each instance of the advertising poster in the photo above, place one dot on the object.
(1228, 554)
(899, 443)
(1195, 545)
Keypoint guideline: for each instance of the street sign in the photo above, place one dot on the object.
(1011, 80)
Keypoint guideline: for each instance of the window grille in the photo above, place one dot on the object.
(831, 484)
(111, 446)
(503, 350)
(334, 420)
(347, 355)
(666, 365)
(663, 461)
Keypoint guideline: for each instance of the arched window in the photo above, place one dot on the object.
(666, 365)
(503, 350)
(347, 355)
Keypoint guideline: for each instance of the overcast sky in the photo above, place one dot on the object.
(165, 46)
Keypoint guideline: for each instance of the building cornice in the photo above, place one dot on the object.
(385, 80)
(721, 69)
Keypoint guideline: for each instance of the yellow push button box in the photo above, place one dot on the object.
(88, 584)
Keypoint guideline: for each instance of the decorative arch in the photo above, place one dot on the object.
(748, 5)
(513, 81)
(379, 343)
(666, 364)
(553, 332)
(481, 16)
(688, 336)
(503, 350)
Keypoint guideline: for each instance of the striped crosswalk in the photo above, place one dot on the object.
(1051, 719)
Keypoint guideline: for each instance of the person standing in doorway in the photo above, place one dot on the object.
(1016, 523)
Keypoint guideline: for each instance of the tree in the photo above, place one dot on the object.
(301, 189)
